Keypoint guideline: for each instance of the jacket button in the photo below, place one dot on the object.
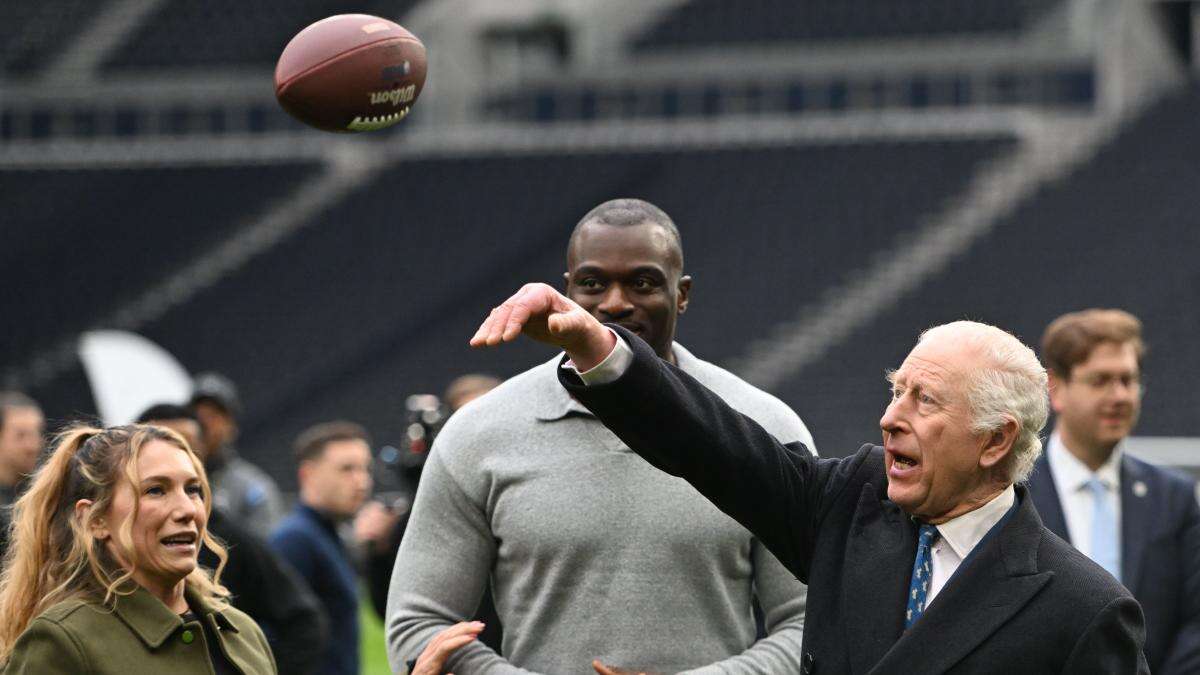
(187, 637)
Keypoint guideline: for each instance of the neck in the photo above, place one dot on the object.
(171, 594)
(8, 475)
(1093, 456)
(980, 497)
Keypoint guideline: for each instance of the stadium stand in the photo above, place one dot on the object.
(29, 31)
(221, 33)
(376, 298)
(78, 243)
(1118, 233)
(725, 22)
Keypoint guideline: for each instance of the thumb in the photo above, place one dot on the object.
(562, 325)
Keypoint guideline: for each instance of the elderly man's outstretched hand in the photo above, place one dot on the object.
(544, 314)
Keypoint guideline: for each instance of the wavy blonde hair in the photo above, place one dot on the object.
(53, 556)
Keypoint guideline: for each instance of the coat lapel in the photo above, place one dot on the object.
(980, 597)
(1135, 518)
(1045, 498)
(874, 585)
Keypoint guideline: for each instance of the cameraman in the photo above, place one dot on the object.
(381, 527)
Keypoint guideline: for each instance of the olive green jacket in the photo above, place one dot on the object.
(141, 635)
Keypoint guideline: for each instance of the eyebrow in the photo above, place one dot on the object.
(163, 478)
(641, 269)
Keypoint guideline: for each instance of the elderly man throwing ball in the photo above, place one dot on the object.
(925, 555)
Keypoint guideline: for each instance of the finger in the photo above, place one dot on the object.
(518, 316)
(479, 339)
(438, 659)
(602, 669)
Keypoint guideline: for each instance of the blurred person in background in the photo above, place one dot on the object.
(102, 575)
(381, 528)
(21, 428)
(592, 554)
(240, 488)
(260, 583)
(1138, 521)
(466, 388)
(334, 472)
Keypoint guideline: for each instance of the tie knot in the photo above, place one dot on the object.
(926, 534)
(1096, 486)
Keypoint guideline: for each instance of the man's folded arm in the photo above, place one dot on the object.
(441, 572)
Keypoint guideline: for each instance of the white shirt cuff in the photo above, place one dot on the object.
(612, 367)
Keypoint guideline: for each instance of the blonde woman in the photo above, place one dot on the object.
(101, 574)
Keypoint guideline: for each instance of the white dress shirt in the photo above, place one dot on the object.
(956, 537)
(959, 536)
(1070, 480)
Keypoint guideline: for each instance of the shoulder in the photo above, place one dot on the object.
(294, 528)
(773, 414)
(250, 475)
(64, 610)
(498, 420)
(1173, 485)
(1078, 580)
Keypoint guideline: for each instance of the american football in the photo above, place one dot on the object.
(351, 72)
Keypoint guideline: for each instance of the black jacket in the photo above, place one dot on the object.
(1026, 602)
(1160, 555)
(272, 593)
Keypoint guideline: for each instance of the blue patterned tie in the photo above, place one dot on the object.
(922, 576)
(1105, 551)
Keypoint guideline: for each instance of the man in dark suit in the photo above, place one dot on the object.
(1138, 521)
(921, 556)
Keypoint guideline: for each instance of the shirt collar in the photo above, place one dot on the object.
(153, 622)
(554, 403)
(1072, 474)
(966, 531)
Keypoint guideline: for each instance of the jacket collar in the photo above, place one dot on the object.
(550, 401)
(153, 622)
(983, 594)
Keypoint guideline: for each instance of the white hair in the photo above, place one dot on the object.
(1009, 385)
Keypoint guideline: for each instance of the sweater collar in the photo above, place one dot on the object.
(552, 402)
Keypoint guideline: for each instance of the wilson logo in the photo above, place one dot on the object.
(394, 96)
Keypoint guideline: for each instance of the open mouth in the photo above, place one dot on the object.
(904, 462)
(183, 542)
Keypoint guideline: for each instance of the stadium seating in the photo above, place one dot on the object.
(31, 31)
(80, 243)
(725, 22)
(376, 298)
(1118, 233)
(220, 33)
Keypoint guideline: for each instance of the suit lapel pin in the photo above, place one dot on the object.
(1139, 489)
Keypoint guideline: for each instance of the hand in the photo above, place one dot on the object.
(374, 524)
(544, 314)
(613, 670)
(433, 658)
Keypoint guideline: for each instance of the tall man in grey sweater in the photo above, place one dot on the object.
(593, 553)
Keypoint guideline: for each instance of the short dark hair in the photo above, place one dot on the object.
(311, 442)
(1070, 339)
(628, 212)
(14, 399)
(166, 411)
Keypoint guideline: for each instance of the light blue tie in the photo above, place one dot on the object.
(922, 576)
(1105, 551)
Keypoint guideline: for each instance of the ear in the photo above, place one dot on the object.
(1057, 394)
(685, 290)
(303, 470)
(998, 444)
(99, 528)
